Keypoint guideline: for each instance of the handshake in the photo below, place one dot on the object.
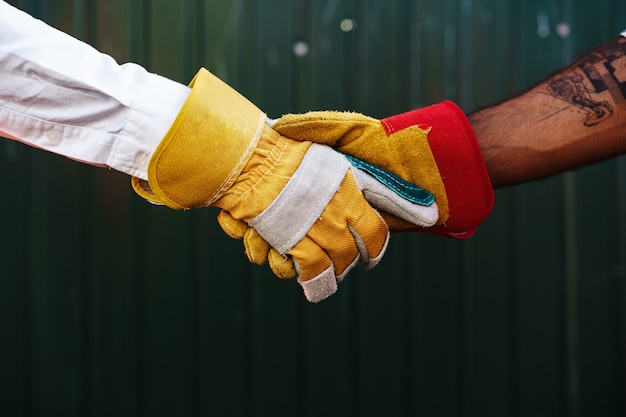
(316, 194)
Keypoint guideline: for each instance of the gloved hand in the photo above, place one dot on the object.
(382, 189)
(304, 199)
(433, 147)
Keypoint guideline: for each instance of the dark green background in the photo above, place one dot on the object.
(112, 307)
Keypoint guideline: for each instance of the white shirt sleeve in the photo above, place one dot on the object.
(62, 95)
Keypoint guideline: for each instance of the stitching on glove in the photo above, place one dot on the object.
(302, 200)
(241, 164)
(403, 188)
(282, 147)
(389, 128)
(294, 192)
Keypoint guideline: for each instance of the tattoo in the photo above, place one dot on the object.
(606, 69)
(572, 90)
(601, 72)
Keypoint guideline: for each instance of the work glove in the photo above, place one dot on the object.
(305, 200)
(433, 147)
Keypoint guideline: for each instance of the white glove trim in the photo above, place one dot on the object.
(321, 287)
(385, 199)
(303, 199)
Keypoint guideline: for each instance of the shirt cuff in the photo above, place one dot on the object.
(150, 117)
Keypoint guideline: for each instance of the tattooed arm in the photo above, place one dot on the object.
(573, 118)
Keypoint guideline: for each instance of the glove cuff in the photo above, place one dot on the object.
(459, 160)
(211, 140)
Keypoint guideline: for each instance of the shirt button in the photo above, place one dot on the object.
(142, 160)
(54, 137)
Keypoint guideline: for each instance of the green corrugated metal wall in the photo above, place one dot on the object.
(112, 307)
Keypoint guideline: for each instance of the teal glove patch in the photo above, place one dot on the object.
(401, 187)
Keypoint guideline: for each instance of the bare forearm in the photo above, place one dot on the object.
(574, 118)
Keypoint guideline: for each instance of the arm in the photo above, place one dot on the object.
(573, 118)
(63, 96)
(193, 147)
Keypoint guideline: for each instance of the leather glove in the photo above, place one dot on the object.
(433, 147)
(304, 199)
(382, 189)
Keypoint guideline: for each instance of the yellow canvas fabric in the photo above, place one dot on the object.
(206, 148)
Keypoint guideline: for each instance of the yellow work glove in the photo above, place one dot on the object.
(304, 199)
(433, 147)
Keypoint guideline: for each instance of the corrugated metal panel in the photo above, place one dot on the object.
(110, 306)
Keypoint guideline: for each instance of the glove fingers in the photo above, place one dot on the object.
(256, 247)
(234, 228)
(367, 224)
(372, 259)
(282, 266)
(358, 234)
(316, 271)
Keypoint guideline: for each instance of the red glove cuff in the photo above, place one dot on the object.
(461, 165)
